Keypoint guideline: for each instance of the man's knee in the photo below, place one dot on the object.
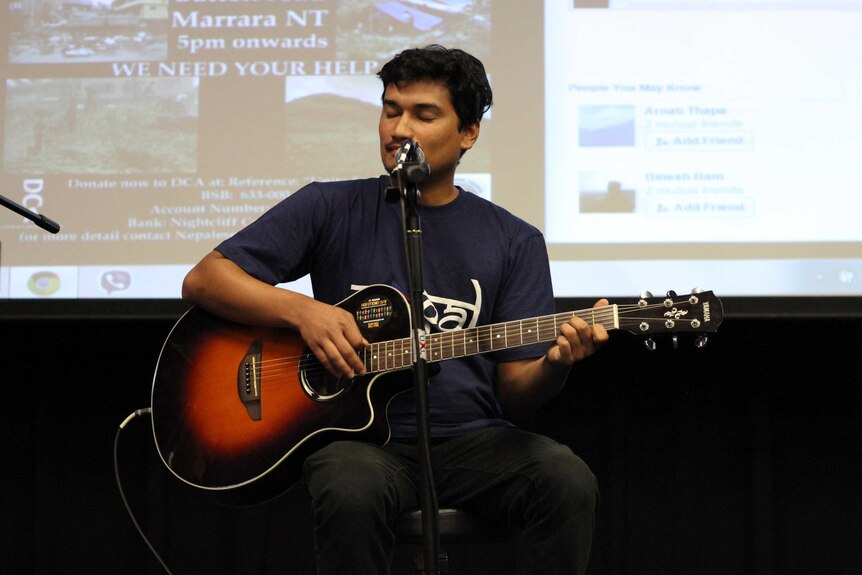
(343, 468)
(567, 479)
(352, 478)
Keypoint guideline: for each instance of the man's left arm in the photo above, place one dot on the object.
(524, 385)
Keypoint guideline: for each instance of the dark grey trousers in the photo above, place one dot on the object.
(508, 475)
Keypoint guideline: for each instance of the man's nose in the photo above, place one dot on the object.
(403, 128)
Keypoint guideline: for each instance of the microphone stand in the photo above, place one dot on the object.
(38, 219)
(408, 175)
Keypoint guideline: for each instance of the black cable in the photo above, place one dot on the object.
(152, 549)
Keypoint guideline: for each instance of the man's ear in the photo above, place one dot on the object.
(469, 135)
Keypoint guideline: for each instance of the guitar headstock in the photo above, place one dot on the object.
(698, 312)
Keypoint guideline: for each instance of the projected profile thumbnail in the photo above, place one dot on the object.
(598, 193)
(606, 126)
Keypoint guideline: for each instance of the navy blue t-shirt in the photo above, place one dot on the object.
(481, 265)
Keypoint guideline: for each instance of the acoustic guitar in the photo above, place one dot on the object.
(236, 408)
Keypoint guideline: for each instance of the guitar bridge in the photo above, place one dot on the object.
(248, 380)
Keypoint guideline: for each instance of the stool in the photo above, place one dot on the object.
(455, 526)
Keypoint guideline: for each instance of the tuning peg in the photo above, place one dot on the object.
(650, 344)
(671, 293)
(701, 341)
(696, 290)
(674, 339)
(642, 302)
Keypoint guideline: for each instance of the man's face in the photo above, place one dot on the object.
(422, 111)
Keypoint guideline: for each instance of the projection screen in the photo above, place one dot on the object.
(659, 144)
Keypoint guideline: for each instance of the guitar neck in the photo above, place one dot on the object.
(397, 353)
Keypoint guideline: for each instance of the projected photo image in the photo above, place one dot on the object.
(599, 193)
(69, 31)
(377, 29)
(150, 130)
(606, 126)
(331, 126)
(101, 126)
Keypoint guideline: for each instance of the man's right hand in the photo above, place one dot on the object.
(333, 337)
(223, 288)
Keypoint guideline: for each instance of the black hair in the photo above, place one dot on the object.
(463, 74)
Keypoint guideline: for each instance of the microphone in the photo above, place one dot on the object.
(40, 220)
(410, 159)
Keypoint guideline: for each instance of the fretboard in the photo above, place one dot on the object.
(397, 353)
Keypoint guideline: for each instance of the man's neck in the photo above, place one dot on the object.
(436, 193)
(438, 197)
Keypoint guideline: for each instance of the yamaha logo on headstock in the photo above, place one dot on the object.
(699, 311)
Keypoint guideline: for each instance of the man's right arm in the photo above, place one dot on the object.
(223, 288)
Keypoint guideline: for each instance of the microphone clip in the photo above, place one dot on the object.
(410, 163)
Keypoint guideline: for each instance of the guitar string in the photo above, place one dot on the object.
(448, 339)
(272, 367)
(289, 371)
(441, 338)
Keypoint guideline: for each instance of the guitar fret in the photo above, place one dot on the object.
(444, 347)
(498, 337)
(402, 350)
(389, 355)
(435, 347)
(513, 334)
(471, 342)
(548, 329)
(483, 339)
(384, 359)
(530, 330)
(462, 349)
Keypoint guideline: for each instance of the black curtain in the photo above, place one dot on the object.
(742, 457)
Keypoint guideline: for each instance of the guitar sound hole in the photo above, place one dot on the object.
(317, 382)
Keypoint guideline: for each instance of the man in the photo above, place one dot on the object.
(482, 265)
